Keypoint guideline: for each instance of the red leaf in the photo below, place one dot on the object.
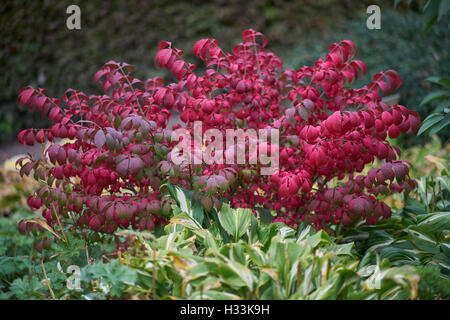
(360, 65)
(26, 95)
(199, 46)
(177, 67)
(163, 57)
(164, 44)
(53, 115)
(348, 49)
(99, 139)
(20, 137)
(26, 169)
(40, 102)
(100, 73)
(65, 120)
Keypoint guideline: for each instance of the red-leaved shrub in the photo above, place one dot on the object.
(108, 174)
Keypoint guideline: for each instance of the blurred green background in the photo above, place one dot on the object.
(38, 49)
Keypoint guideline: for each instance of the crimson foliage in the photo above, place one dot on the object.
(111, 173)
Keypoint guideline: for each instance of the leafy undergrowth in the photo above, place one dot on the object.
(230, 254)
(236, 257)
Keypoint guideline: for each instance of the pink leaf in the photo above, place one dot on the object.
(99, 139)
(26, 95)
(163, 57)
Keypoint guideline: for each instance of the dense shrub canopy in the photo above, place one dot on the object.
(111, 172)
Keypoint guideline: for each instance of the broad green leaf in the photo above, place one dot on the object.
(265, 215)
(340, 249)
(443, 261)
(266, 233)
(286, 232)
(236, 274)
(441, 125)
(257, 256)
(319, 238)
(328, 291)
(435, 95)
(235, 221)
(399, 255)
(304, 231)
(406, 277)
(442, 106)
(439, 80)
(444, 7)
(277, 254)
(431, 13)
(187, 204)
(429, 122)
(438, 221)
(185, 220)
(237, 253)
(424, 239)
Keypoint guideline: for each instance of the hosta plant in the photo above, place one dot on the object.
(109, 155)
(236, 257)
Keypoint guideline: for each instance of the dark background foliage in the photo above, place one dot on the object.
(38, 49)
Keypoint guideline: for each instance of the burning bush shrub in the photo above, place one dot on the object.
(110, 171)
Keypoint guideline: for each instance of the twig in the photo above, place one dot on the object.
(433, 196)
(59, 223)
(47, 280)
(154, 275)
(87, 254)
(442, 195)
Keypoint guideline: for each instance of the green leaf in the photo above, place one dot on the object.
(26, 288)
(327, 291)
(444, 6)
(431, 12)
(257, 256)
(265, 215)
(438, 221)
(440, 125)
(235, 221)
(435, 95)
(424, 239)
(439, 80)
(304, 231)
(429, 122)
(217, 228)
(114, 276)
(399, 255)
(236, 274)
(117, 122)
(340, 249)
(189, 205)
(266, 234)
(319, 238)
